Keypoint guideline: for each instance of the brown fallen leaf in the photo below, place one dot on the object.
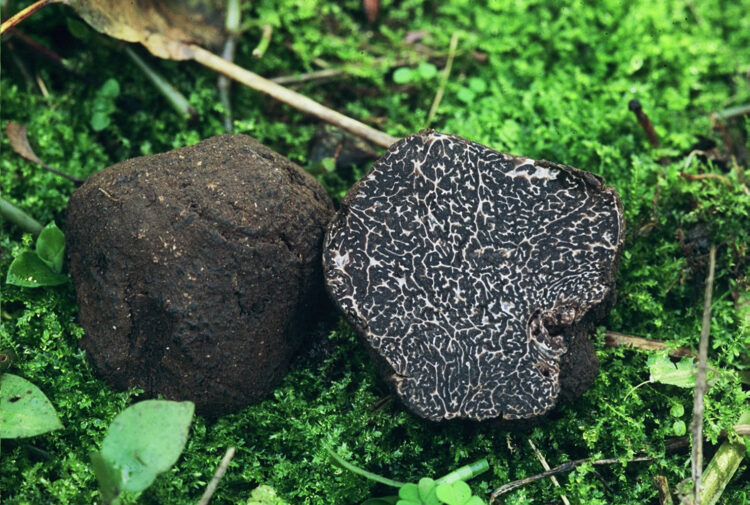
(144, 21)
(19, 141)
(165, 27)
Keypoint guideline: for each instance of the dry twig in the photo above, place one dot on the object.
(616, 339)
(300, 102)
(700, 382)
(546, 467)
(568, 466)
(217, 477)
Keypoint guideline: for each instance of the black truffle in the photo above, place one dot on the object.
(475, 276)
(197, 271)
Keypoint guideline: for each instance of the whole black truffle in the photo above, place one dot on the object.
(475, 276)
(197, 271)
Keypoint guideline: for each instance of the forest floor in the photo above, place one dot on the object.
(545, 80)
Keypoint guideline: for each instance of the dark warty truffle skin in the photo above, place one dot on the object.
(475, 276)
(197, 271)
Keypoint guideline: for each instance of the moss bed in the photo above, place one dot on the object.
(543, 80)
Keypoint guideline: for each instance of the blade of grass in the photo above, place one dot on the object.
(176, 99)
(443, 80)
(18, 217)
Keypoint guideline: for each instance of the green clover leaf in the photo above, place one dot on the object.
(423, 493)
(457, 493)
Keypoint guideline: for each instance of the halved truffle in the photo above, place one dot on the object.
(475, 276)
(198, 271)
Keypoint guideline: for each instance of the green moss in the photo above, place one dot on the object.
(535, 78)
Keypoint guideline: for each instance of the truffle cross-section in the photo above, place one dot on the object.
(475, 276)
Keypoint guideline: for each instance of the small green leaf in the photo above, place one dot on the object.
(328, 164)
(427, 70)
(679, 428)
(146, 439)
(402, 75)
(662, 370)
(409, 494)
(477, 85)
(99, 121)
(466, 95)
(427, 491)
(50, 247)
(110, 89)
(29, 271)
(107, 476)
(677, 410)
(24, 410)
(455, 493)
(264, 495)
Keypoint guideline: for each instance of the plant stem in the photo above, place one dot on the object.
(466, 472)
(700, 382)
(19, 218)
(175, 98)
(265, 40)
(289, 97)
(443, 80)
(722, 467)
(364, 473)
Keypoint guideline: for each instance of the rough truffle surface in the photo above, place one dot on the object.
(475, 275)
(198, 270)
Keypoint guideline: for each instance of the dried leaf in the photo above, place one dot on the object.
(19, 141)
(165, 27)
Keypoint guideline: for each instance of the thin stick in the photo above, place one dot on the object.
(170, 92)
(568, 466)
(18, 217)
(700, 177)
(740, 110)
(722, 467)
(443, 79)
(662, 485)
(546, 467)
(24, 13)
(208, 493)
(265, 41)
(310, 76)
(289, 97)
(616, 339)
(643, 120)
(700, 382)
